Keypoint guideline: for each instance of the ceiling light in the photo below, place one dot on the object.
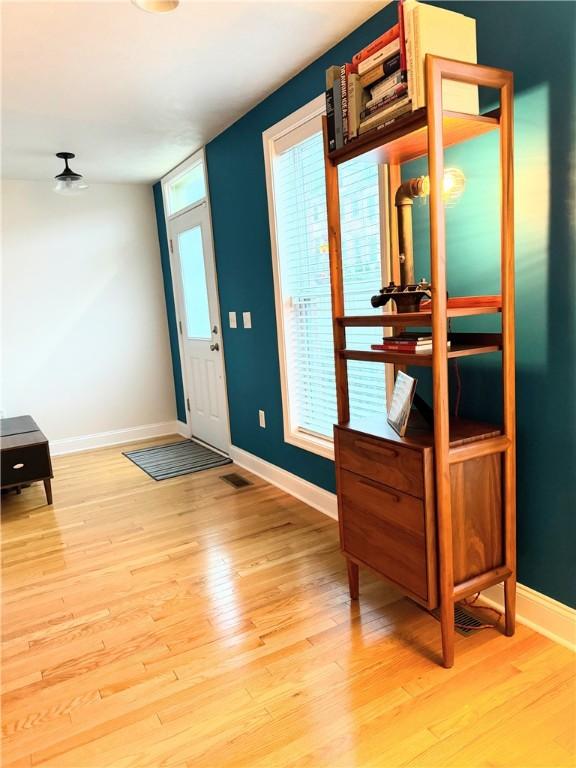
(157, 6)
(68, 182)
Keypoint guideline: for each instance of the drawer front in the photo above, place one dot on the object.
(380, 460)
(23, 465)
(385, 529)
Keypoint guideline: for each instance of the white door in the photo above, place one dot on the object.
(203, 365)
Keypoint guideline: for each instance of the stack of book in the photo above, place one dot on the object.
(385, 81)
(409, 343)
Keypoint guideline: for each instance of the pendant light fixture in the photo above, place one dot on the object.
(68, 182)
(157, 6)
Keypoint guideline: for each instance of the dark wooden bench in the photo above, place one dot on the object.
(25, 455)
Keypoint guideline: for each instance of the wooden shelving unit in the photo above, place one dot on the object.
(421, 319)
(434, 511)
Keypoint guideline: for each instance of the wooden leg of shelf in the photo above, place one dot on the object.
(510, 604)
(447, 627)
(353, 579)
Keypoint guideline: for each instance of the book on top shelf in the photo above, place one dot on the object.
(383, 87)
(379, 57)
(393, 110)
(430, 29)
(376, 45)
(356, 103)
(395, 95)
(381, 71)
(334, 107)
(345, 71)
(386, 79)
(385, 118)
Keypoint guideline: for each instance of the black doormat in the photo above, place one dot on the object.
(164, 461)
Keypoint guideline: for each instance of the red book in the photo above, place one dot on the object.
(402, 35)
(404, 347)
(377, 44)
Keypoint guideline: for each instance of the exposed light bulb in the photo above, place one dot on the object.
(453, 185)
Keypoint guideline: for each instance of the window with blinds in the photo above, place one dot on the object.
(303, 280)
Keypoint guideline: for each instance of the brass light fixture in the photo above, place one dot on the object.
(408, 295)
(453, 185)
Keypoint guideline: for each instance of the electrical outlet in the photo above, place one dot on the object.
(232, 319)
(262, 419)
(247, 319)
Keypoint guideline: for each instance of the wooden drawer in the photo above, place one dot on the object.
(383, 461)
(386, 529)
(26, 464)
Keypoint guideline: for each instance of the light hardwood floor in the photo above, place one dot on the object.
(188, 623)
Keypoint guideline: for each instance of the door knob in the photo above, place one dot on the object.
(214, 347)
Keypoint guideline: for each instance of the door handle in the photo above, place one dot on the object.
(214, 347)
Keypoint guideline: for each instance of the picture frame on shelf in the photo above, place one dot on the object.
(401, 403)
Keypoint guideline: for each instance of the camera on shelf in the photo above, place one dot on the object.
(406, 297)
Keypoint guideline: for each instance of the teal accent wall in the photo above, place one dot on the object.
(170, 306)
(545, 174)
(242, 244)
(536, 41)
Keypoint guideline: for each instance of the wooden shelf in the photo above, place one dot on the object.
(403, 358)
(420, 434)
(492, 306)
(407, 138)
(417, 319)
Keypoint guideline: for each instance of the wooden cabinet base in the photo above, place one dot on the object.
(387, 515)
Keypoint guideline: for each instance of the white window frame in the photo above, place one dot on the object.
(318, 444)
(198, 158)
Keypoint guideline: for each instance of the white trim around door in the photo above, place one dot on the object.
(199, 208)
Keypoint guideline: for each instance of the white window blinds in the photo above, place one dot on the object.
(302, 252)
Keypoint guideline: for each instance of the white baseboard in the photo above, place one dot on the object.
(116, 437)
(311, 494)
(539, 612)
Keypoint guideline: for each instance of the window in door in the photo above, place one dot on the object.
(194, 284)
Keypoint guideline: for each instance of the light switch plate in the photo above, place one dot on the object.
(247, 319)
(232, 319)
(262, 419)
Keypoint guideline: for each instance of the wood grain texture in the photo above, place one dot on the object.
(387, 462)
(385, 528)
(336, 280)
(186, 623)
(476, 493)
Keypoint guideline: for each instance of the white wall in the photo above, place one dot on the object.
(84, 332)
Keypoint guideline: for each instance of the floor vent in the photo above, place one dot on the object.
(465, 622)
(235, 480)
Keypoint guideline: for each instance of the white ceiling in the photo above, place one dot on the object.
(132, 93)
